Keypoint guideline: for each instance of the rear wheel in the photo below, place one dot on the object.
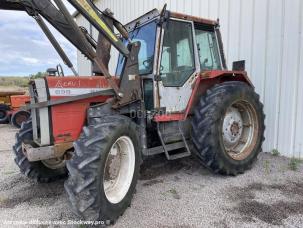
(19, 117)
(104, 169)
(34, 170)
(4, 115)
(228, 128)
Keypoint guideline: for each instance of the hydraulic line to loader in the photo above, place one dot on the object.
(55, 43)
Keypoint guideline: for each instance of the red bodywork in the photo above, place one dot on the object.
(68, 119)
(204, 81)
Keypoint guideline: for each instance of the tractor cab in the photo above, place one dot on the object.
(173, 53)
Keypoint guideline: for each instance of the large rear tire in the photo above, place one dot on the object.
(228, 128)
(104, 169)
(34, 170)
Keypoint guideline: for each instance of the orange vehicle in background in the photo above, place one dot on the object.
(10, 104)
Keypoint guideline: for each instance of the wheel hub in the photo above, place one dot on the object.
(54, 163)
(232, 127)
(20, 119)
(240, 130)
(235, 128)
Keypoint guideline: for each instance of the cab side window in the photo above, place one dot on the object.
(208, 50)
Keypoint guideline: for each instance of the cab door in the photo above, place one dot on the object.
(178, 66)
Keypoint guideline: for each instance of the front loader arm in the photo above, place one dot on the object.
(11, 5)
(60, 18)
(47, 10)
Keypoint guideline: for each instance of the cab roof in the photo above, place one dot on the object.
(149, 16)
(194, 18)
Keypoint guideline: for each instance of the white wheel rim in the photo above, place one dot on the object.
(119, 170)
(232, 120)
(240, 130)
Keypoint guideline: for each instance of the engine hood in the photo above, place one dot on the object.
(73, 86)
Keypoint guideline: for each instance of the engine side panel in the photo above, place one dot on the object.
(68, 119)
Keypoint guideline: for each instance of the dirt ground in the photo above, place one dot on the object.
(169, 194)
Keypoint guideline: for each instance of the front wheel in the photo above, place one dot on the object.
(104, 169)
(228, 128)
(39, 170)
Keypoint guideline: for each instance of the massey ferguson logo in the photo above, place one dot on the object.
(68, 84)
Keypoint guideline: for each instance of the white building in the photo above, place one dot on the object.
(267, 34)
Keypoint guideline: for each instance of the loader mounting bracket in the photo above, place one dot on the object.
(130, 83)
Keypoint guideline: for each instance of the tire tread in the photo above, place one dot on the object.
(207, 117)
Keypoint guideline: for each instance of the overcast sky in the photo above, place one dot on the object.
(24, 49)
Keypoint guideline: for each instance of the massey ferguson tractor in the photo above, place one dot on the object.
(171, 94)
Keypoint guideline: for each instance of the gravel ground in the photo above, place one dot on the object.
(169, 194)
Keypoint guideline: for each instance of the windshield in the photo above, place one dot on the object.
(146, 34)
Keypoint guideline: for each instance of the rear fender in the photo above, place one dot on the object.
(208, 79)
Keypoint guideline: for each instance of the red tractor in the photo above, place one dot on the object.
(172, 94)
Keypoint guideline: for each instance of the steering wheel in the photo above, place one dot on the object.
(60, 70)
(161, 68)
(148, 63)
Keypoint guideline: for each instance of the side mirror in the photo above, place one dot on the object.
(51, 71)
(239, 65)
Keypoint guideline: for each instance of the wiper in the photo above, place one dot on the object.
(135, 28)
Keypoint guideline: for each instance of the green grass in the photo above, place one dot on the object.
(14, 81)
(267, 166)
(173, 192)
(275, 152)
(19, 81)
(294, 164)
